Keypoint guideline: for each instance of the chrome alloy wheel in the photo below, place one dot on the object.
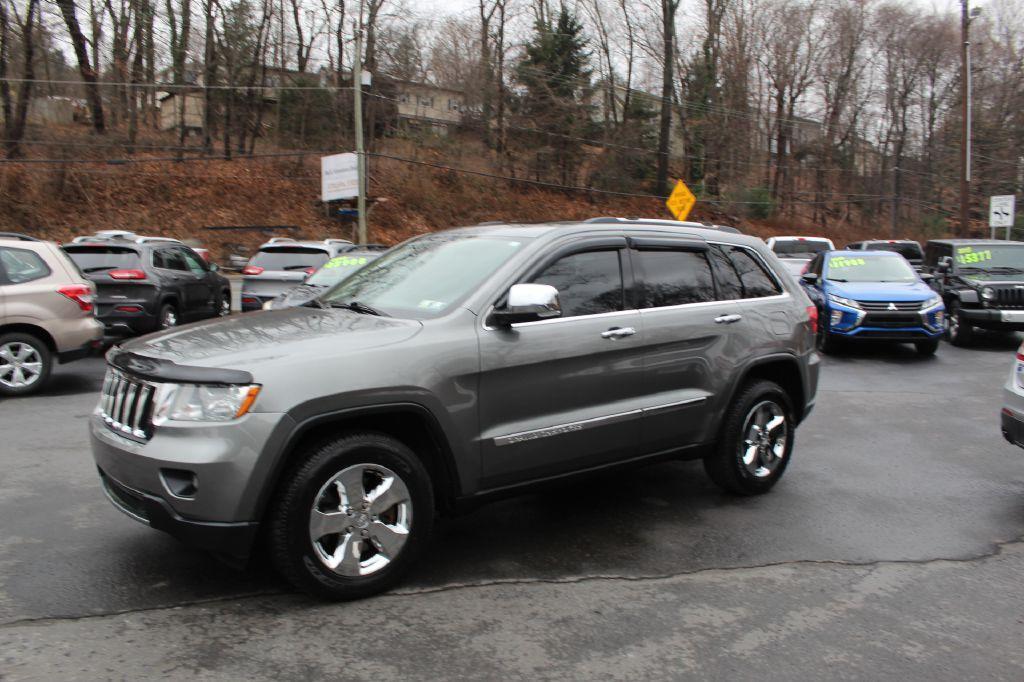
(20, 365)
(360, 520)
(225, 307)
(169, 318)
(765, 433)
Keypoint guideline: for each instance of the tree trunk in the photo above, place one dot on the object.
(85, 67)
(16, 126)
(668, 21)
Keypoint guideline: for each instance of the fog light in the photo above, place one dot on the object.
(180, 482)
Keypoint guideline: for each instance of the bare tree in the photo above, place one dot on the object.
(85, 67)
(14, 128)
(668, 28)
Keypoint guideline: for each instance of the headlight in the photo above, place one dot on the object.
(849, 303)
(202, 403)
(932, 302)
(988, 293)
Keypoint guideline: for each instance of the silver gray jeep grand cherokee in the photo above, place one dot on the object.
(459, 366)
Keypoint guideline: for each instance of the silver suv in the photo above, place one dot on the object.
(46, 313)
(283, 263)
(457, 367)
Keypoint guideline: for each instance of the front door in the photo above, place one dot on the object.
(564, 394)
(199, 284)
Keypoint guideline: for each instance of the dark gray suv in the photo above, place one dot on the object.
(457, 367)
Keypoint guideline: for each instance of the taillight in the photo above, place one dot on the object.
(252, 270)
(1020, 353)
(812, 315)
(127, 274)
(81, 295)
(309, 271)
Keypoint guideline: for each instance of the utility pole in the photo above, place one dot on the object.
(357, 115)
(965, 135)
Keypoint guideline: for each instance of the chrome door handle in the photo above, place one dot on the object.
(728, 319)
(618, 332)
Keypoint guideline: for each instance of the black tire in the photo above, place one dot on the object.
(28, 348)
(927, 347)
(725, 465)
(168, 317)
(291, 546)
(957, 332)
(823, 340)
(222, 309)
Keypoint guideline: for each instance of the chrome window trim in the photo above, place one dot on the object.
(583, 424)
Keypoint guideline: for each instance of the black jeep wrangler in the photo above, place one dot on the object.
(981, 281)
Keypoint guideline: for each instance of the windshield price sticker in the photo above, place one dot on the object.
(844, 262)
(966, 255)
(344, 262)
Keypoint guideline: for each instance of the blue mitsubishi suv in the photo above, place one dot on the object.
(872, 295)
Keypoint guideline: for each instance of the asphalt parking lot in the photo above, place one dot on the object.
(891, 549)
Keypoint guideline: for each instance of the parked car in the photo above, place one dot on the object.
(981, 282)
(283, 263)
(458, 366)
(799, 247)
(150, 286)
(908, 248)
(872, 296)
(329, 274)
(46, 313)
(1012, 415)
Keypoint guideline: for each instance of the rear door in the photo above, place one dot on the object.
(199, 285)
(97, 260)
(691, 330)
(567, 393)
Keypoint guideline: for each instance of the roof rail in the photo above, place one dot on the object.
(280, 240)
(332, 240)
(19, 236)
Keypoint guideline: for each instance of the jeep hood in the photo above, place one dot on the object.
(250, 340)
(881, 291)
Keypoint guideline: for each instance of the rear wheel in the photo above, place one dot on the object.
(352, 518)
(927, 347)
(25, 364)
(756, 441)
(168, 317)
(958, 331)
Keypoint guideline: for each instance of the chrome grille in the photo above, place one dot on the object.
(902, 306)
(127, 405)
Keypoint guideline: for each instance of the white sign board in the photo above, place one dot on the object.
(1000, 211)
(339, 177)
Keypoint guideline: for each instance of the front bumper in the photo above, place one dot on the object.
(233, 540)
(854, 323)
(223, 460)
(990, 318)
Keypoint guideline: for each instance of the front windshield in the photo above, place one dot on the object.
(425, 277)
(985, 257)
(870, 268)
(338, 268)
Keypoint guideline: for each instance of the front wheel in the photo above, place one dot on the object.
(958, 331)
(25, 364)
(756, 440)
(352, 518)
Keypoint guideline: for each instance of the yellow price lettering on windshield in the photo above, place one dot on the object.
(344, 262)
(967, 255)
(844, 262)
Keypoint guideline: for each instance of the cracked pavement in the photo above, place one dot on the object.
(891, 549)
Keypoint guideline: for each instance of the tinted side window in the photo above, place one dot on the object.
(588, 283)
(728, 280)
(756, 280)
(193, 262)
(169, 259)
(674, 277)
(20, 265)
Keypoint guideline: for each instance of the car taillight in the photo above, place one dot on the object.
(309, 271)
(252, 270)
(812, 315)
(1020, 353)
(127, 274)
(81, 295)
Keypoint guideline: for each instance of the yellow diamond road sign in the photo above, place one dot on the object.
(681, 201)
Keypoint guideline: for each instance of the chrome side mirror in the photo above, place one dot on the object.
(528, 303)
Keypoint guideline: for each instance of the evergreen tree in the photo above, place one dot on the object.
(556, 78)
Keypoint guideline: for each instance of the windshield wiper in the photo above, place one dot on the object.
(295, 267)
(1008, 269)
(99, 268)
(356, 306)
(837, 279)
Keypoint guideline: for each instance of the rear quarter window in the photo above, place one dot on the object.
(757, 282)
(18, 266)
